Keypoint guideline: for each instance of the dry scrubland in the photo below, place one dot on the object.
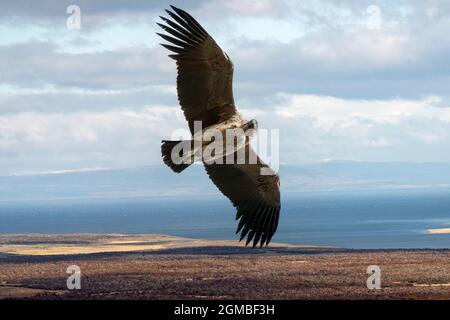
(163, 267)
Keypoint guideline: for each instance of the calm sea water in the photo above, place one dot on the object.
(351, 220)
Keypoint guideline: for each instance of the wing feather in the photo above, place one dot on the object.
(255, 196)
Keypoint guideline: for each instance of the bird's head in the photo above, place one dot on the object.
(250, 125)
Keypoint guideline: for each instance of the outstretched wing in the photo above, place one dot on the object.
(205, 73)
(255, 196)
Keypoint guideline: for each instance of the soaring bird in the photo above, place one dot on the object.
(205, 93)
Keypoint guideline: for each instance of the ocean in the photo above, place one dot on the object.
(359, 220)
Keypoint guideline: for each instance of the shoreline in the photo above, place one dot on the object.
(41, 244)
(85, 244)
(439, 231)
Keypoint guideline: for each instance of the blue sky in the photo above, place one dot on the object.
(337, 87)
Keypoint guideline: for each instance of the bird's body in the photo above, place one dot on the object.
(220, 136)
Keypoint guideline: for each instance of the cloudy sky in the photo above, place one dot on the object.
(341, 80)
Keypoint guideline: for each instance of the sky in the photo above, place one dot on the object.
(341, 80)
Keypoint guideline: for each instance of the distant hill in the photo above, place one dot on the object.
(159, 181)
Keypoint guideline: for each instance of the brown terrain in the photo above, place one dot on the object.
(165, 267)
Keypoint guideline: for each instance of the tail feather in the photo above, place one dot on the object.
(166, 151)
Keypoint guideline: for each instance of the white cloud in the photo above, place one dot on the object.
(334, 110)
(105, 96)
(314, 128)
(251, 6)
(120, 138)
(242, 7)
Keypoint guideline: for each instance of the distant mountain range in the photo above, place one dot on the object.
(159, 181)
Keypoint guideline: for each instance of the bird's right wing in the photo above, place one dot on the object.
(205, 73)
(255, 196)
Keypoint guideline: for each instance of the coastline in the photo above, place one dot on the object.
(85, 244)
(439, 231)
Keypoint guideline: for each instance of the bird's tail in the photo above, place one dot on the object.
(174, 156)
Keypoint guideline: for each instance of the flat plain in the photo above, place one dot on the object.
(165, 267)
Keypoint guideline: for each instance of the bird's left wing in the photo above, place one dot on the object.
(255, 196)
(205, 72)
